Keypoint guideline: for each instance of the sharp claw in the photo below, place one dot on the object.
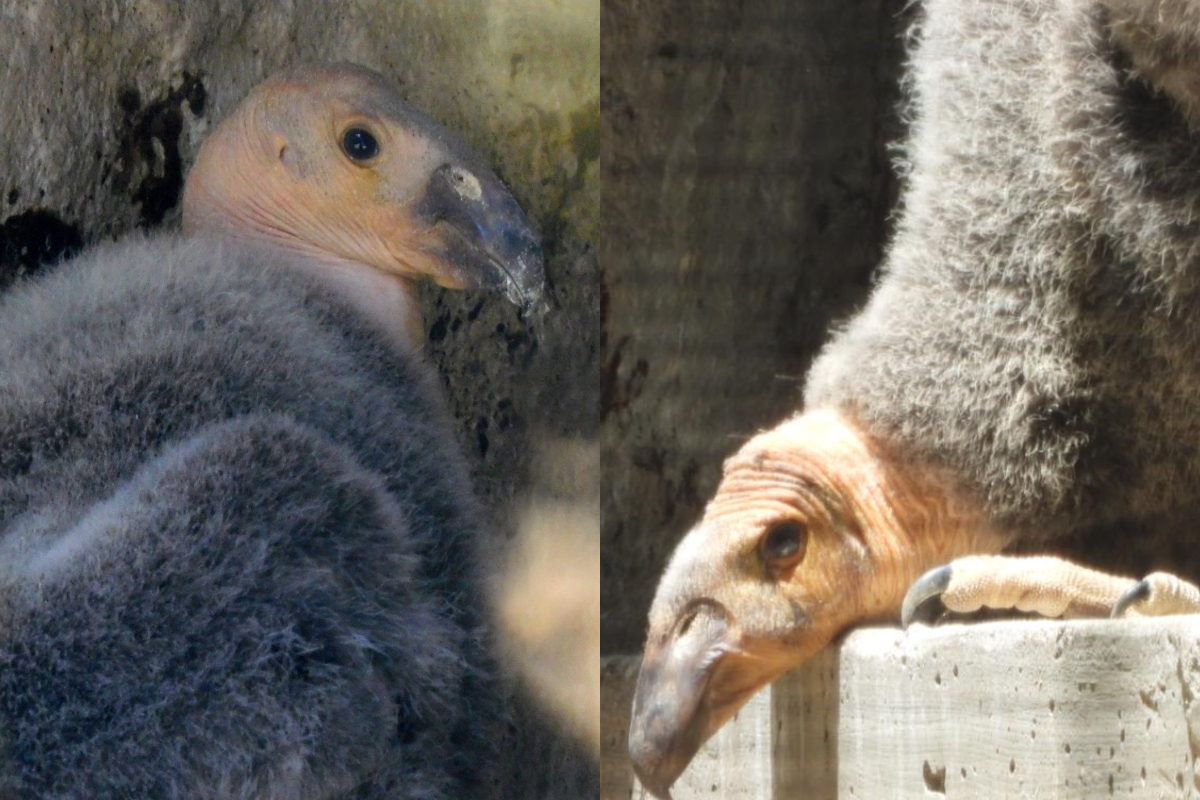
(929, 586)
(1134, 594)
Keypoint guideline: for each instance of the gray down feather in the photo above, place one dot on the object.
(1036, 327)
(236, 543)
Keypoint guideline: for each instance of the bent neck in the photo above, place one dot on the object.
(387, 301)
(911, 515)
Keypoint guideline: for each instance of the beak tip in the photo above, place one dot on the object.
(657, 786)
(653, 746)
(527, 280)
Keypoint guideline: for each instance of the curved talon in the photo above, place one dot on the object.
(929, 586)
(1134, 594)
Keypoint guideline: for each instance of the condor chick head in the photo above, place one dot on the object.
(332, 168)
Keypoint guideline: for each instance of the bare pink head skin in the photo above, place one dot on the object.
(331, 168)
(814, 528)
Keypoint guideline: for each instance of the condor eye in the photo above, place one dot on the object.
(784, 543)
(359, 144)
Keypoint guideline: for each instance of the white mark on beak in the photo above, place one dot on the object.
(466, 184)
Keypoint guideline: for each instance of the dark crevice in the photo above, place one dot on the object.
(150, 163)
(33, 238)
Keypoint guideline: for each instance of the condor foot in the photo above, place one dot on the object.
(1043, 585)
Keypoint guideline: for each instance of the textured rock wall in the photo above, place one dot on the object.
(103, 104)
(746, 189)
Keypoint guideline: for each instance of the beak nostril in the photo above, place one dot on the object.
(710, 616)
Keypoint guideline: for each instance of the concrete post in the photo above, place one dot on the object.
(1082, 709)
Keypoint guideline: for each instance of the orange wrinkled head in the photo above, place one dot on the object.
(812, 530)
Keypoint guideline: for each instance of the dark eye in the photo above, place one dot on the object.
(359, 144)
(784, 542)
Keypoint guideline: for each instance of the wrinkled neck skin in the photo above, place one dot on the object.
(388, 301)
(909, 517)
(726, 620)
(894, 518)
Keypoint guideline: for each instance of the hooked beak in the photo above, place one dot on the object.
(689, 685)
(485, 236)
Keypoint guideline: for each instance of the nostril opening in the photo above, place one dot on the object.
(686, 624)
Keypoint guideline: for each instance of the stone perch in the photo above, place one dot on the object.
(1079, 709)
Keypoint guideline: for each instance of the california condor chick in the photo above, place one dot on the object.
(236, 539)
(1026, 373)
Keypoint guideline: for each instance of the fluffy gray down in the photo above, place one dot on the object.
(235, 543)
(1036, 325)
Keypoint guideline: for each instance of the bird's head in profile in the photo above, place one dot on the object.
(809, 533)
(331, 164)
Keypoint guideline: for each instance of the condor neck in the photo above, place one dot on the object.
(912, 517)
(387, 301)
